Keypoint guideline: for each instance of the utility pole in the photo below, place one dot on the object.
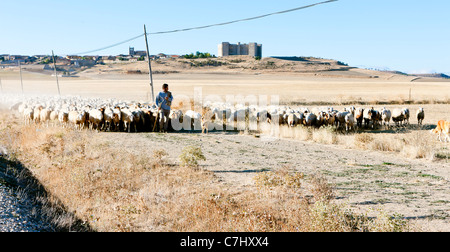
(20, 71)
(410, 94)
(149, 65)
(56, 74)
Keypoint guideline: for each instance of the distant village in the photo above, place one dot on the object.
(79, 61)
(72, 64)
(224, 49)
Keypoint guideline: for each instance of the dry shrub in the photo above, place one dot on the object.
(321, 189)
(419, 145)
(325, 135)
(191, 155)
(301, 133)
(159, 157)
(385, 144)
(280, 178)
(416, 144)
(362, 140)
(388, 223)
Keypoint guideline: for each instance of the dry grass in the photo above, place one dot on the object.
(410, 142)
(118, 190)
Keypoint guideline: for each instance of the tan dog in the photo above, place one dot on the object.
(442, 127)
(204, 124)
(207, 116)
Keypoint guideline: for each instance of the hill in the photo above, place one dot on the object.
(433, 75)
(307, 66)
(285, 65)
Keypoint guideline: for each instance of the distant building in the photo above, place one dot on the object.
(251, 49)
(6, 59)
(132, 52)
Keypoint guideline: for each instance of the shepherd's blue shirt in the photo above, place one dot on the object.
(161, 98)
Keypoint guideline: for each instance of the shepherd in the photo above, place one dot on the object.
(164, 101)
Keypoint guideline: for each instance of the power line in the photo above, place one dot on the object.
(110, 46)
(244, 19)
(208, 26)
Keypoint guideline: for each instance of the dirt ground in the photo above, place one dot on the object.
(418, 189)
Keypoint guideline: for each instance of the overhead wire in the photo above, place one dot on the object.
(241, 20)
(110, 46)
(206, 26)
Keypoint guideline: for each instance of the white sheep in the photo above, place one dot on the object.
(108, 116)
(385, 117)
(127, 118)
(176, 119)
(78, 119)
(63, 118)
(96, 118)
(292, 120)
(44, 116)
(28, 115)
(37, 113)
(406, 115)
(349, 121)
(340, 118)
(54, 117)
(187, 120)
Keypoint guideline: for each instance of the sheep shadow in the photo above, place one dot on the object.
(399, 129)
(240, 171)
(212, 132)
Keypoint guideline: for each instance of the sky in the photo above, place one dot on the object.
(409, 36)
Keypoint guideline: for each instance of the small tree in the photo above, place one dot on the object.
(198, 55)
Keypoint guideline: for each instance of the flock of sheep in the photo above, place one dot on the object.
(78, 112)
(351, 118)
(117, 115)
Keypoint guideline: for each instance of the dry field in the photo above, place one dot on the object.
(293, 81)
(135, 182)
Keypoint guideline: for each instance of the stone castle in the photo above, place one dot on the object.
(251, 49)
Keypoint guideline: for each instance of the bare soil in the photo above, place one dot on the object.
(417, 189)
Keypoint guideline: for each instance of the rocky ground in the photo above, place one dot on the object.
(19, 214)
